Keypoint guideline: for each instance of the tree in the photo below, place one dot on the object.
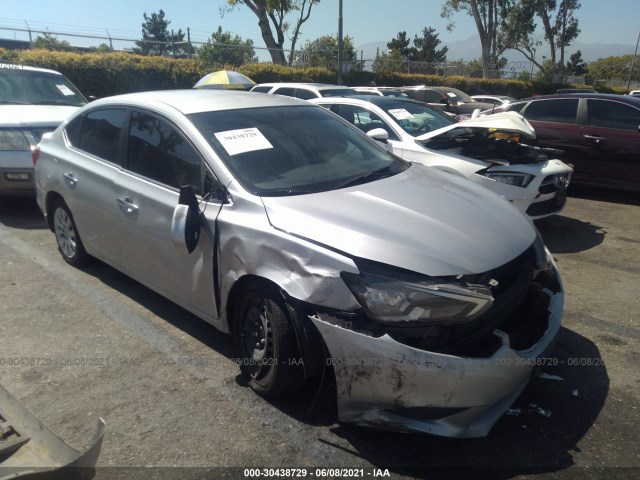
(401, 44)
(425, 47)
(224, 48)
(616, 68)
(323, 51)
(156, 37)
(271, 16)
(49, 42)
(486, 14)
(559, 24)
(576, 65)
(390, 61)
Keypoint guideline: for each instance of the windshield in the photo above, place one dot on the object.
(417, 118)
(338, 92)
(458, 96)
(30, 87)
(278, 151)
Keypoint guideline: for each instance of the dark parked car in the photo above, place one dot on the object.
(451, 100)
(599, 134)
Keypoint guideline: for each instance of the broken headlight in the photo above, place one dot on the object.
(516, 179)
(431, 301)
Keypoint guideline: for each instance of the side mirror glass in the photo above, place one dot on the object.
(185, 224)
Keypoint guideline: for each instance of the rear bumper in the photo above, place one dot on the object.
(16, 173)
(384, 384)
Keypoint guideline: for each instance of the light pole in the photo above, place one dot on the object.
(635, 54)
(340, 43)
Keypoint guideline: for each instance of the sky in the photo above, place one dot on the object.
(366, 21)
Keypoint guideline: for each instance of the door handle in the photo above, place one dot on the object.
(595, 138)
(70, 178)
(126, 205)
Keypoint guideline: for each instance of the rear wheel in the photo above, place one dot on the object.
(67, 237)
(266, 343)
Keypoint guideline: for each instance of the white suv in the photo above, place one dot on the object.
(33, 101)
(305, 91)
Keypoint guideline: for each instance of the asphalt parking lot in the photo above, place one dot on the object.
(167, 387)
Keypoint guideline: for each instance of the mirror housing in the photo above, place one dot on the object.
(379, 135)
(185, 223)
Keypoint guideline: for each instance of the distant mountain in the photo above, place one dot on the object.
(469, 49)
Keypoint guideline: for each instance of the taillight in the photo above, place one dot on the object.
(35, 154)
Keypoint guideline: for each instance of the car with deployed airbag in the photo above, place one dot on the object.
(428, 297)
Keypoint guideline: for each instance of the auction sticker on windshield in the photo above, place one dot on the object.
(66, 91)
(400, 114)
(243, 140)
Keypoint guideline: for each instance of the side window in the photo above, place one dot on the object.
(431, 96)
(157, 151)
(286, 91)
(603, 113)
(100, 133)
(363, 119)
(262, 89)
(559, 111)
(72, 130)
(305, 94)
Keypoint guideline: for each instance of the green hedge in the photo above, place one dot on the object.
(104, 74)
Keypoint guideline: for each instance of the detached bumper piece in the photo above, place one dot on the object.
(30, 451)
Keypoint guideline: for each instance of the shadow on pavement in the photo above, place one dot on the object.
(21, 212)
(604, 195)
(526, 443)
(568, 235)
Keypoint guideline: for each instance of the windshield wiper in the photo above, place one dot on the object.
(12, 102)
(364, 177)
(283, 192)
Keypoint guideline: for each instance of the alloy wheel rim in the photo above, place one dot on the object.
(65, 233)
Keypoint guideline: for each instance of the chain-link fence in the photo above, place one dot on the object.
(15, 36)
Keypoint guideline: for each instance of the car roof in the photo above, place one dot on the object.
(319, 86)
(605, 96)
(13, 66)
(380, 101)
(200, 100)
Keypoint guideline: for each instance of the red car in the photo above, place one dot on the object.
(598, 133)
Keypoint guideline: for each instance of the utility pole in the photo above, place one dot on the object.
(340, 46)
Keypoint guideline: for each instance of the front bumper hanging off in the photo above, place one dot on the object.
(385, 384)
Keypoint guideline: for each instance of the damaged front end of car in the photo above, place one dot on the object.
(530, 177)
(445, 356)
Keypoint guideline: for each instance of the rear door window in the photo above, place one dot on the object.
(608, 114)
(558, 111)
(100, 133)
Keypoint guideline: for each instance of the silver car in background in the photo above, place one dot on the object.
(277, 221)
(33, 101)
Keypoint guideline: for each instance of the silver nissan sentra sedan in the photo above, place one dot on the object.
(431, 298)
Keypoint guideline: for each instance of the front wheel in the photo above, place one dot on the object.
(67, 237)
(265, 341)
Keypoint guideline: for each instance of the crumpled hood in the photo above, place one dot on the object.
(423, 220)
(34, 115)
(511, 122)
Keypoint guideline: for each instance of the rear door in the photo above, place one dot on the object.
(611, 139)
(88, 173)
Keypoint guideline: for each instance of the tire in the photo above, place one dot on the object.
(67, 237)
(266, 343)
